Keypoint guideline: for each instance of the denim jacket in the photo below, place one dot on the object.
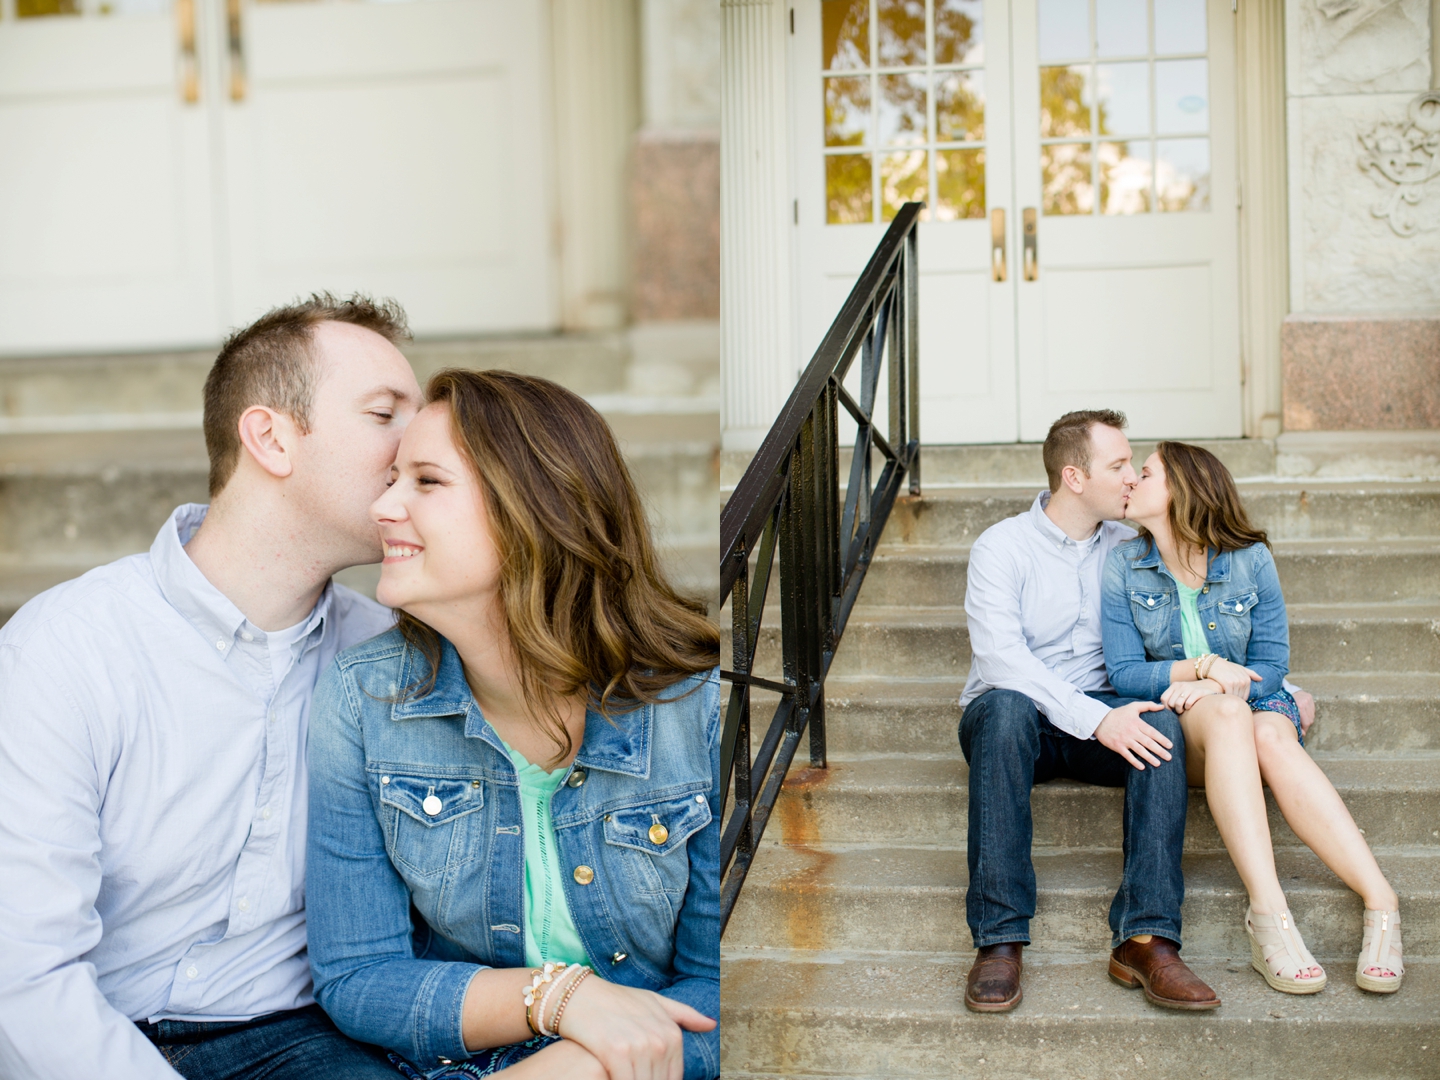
(1241, 610)
(648, 913)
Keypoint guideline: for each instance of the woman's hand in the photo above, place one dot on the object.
(1181, 695)
(1232, 678)
(635, 1034)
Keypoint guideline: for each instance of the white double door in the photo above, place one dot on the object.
(1107, 125)
(171, 168)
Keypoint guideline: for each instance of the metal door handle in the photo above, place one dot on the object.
(236, 38)
(997, 244)
(189, 66)
(1032, 250)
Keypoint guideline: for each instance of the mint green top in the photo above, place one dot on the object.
(550, 932)
(1192, 633)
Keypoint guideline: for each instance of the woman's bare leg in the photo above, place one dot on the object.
(1220, 755)
(1314, 809)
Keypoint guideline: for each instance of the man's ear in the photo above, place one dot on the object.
(1074, 477)
(269, 437)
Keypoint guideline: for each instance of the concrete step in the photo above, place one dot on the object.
(1354, 713)
(875, 1015)
(906, 642)
(908, 799)
(890, 898)
(1311, 571)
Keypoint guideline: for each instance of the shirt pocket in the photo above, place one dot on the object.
(426, 819)
(1151, 611)
(649, 840)
(1235, 618)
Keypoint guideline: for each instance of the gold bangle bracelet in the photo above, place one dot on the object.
(565, 1000)
(531, 992)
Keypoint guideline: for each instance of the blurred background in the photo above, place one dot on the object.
(536, 181)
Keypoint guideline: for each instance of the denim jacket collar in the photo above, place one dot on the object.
(621, 745)
(1219, 569)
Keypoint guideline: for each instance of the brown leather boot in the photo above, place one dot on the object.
(1157, 969)
(993, 984)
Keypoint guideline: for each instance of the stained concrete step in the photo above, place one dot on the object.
(876, 1015)
(933, 643)
(914, 800)
(1311, 571)
(1288, 511)
(1371, 713)
(898, 899)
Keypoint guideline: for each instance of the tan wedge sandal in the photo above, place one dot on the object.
(1278, 953)
(1381, 950)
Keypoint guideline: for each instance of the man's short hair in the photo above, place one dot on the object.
(270, 363)
(1068, 442)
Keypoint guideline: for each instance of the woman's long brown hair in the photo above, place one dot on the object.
(1205, 507)
(587, 608)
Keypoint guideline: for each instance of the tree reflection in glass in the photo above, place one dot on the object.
(901, 111)
(903, 178)
(845, 34)
(847, 189)
(1065, 95)
(960, 106)
(959, 184)
(847, 111)
(1182, 174)
(958, 32)
(900, 33)
(1066, 187)
(1124, 169)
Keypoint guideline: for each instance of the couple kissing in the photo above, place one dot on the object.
(1149, 661)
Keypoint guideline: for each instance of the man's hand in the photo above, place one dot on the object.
(1123, 731)
(1180, 696)
(1233, 679)
(1306, 702)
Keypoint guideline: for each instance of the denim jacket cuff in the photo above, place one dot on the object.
(1159, 678)
(438, 1011)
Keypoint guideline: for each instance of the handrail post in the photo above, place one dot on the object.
(911, 281)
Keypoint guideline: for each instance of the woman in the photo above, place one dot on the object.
(514, 829)
(1194, 618)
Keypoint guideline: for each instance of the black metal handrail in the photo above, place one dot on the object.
(789, 498)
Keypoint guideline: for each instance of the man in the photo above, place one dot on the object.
(1038, 705)
(152, 739)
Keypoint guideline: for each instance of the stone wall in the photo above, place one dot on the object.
(1364, 165)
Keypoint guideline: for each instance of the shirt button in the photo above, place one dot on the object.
(384, 779)
(192, 972)
(618, 957)
(576, 778)
(699, 798)
(245, 635)
(659, 834)
(220, 645)
(243, 905)
(1205, 589)
(265, 813)
(270, 716)
(584, 875)
(1211, 626)
(431, 805)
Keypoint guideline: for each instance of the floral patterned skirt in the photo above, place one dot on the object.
(1283, 703)
(484, 1063)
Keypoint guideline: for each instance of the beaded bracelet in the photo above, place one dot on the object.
(1210, 659)
(561, 974)
(539, 977)
(565, 999)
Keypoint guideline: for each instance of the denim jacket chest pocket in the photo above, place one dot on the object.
(1151, 609)
(1235, 619)
(649, 841)
(427, 820)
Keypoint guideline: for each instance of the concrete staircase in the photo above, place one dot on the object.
(96, 451)
(847, 951)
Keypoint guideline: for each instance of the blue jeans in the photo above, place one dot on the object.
(1011, 748)
(301, 1044)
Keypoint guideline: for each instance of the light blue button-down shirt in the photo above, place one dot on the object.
(1032, 604)
(153, 803)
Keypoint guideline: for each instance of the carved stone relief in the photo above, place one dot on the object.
(1404, 158)
(1359, 46)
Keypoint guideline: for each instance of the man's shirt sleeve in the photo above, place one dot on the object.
(997, 639)
(55, 1024)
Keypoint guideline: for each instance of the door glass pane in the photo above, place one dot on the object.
(1064, 30)
(1182, 103)
(1065, 96)
(847, 111)
(1065, 179)
(901, 110)
(1122, 98)
(1124, 169)
(903, 178)
(960, 107)
(959, 184)
(845, 33)
(901, 32)
(1180, 26)
(1122, 28)
(38, 9)
(958, 38)
(847, 189)
(1182, 174)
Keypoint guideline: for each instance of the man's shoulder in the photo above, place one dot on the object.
(100, 601)
(359, 618)
(1124, 540)
(1003, 535)
(387, 646)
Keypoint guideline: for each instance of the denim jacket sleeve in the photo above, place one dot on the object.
(1268, 654)
(697, 931)
(366, 975)
(1130, 673)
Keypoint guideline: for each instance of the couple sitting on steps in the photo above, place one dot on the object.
(1146, 662)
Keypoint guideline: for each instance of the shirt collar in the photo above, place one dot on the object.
(1053, 532)
(190, 592)
(620, 745)
(1149, 559)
